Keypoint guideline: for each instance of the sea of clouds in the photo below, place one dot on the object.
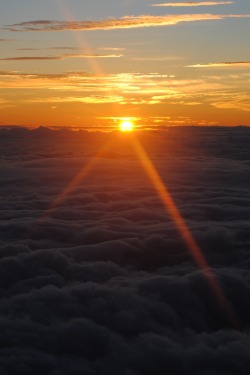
(99, 281)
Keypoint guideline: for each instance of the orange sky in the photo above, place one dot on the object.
(156, 63)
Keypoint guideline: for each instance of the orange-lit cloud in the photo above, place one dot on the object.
(193, 4)
(131, 89)
(153, 122)
(112, 48)
(238, 101)
(119, 118)
(2, 102)
(127, 22)
(92, 99)
(227, 64)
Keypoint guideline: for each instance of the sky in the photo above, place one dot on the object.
(90, 64)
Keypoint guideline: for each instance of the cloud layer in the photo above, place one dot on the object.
(133, 88)
(103, 284)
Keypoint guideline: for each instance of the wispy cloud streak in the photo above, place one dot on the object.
(226, 64)
(119, 23)
(62, 57)
(193, 4)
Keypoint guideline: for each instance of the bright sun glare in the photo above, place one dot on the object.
(126, 126)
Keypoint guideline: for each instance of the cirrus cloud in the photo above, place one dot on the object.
(226, 64)
(193, 4)
(126, 22)
(62, 57)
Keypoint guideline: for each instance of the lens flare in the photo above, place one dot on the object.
(186, 234)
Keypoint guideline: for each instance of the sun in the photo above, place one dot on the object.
(126, 126)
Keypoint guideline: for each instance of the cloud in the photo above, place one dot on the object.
(25, 58)
(17, 75)
(5, 40)
(3, 103)
(92, 99)
(112, 48)
(127, 22)
(62, 57)
(50, 48)
(227, 64)
(105, 285)
(238, 101)
(193, 4)
(128, 88)
(93, 55)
